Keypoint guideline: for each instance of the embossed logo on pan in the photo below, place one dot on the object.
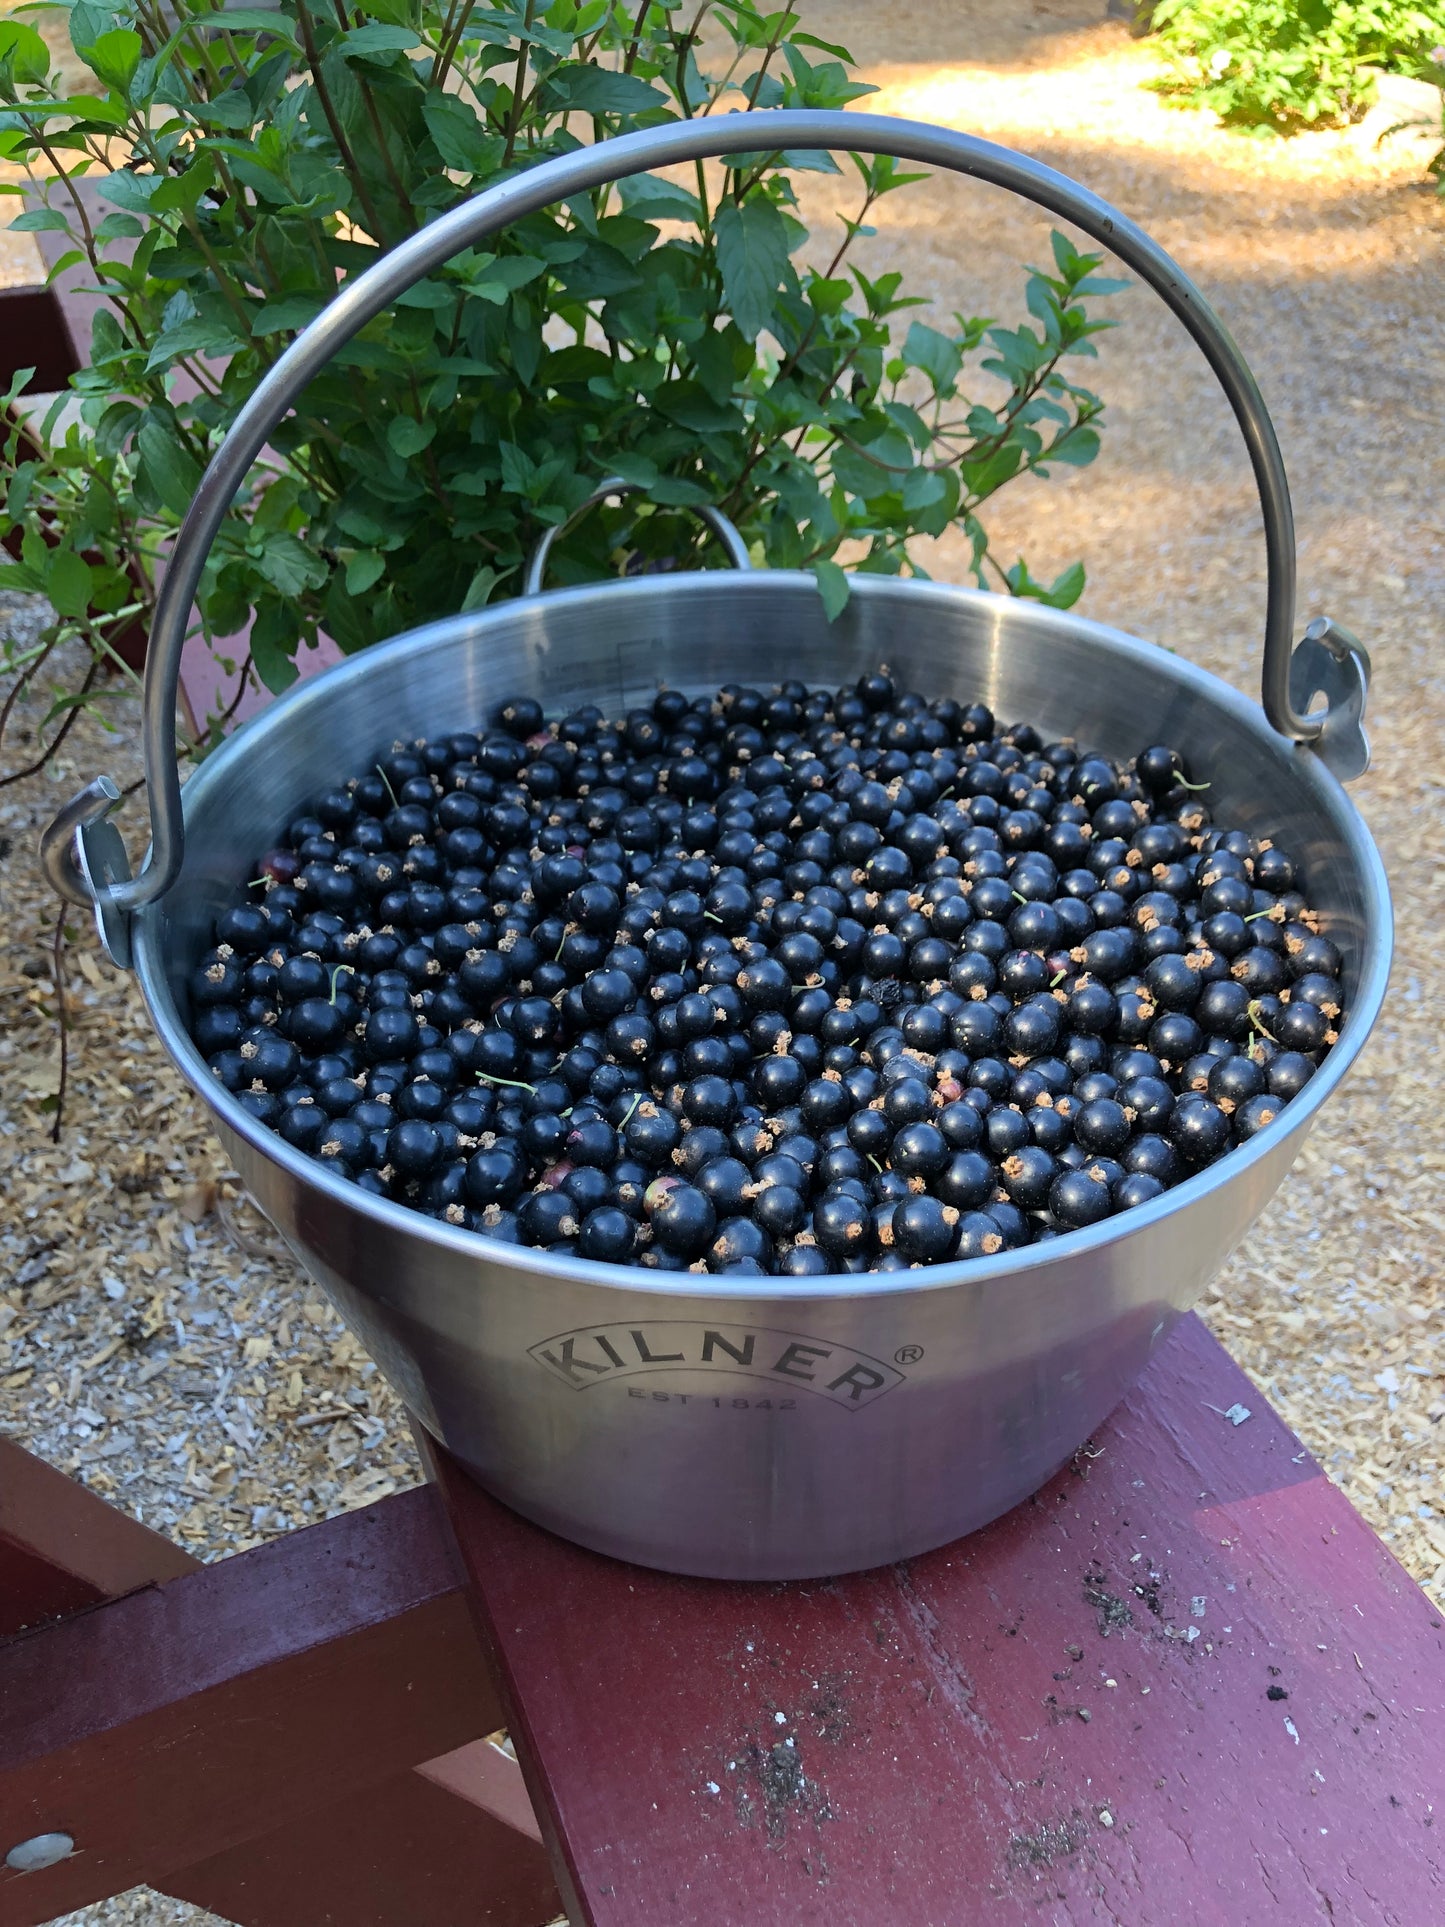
(598, 1353)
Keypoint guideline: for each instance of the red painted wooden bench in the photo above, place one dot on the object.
(1185, 1682)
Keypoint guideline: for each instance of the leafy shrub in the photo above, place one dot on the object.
(251, 160)
(1282, 65)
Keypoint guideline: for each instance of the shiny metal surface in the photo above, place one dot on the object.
(59, 844)
(731, 541)
(760, 1429)
(474, 220)
(1331, 663)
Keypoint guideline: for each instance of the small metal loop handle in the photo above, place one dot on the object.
(59, 854)
(83, 856)
(726, 532)
(1332, 663)
(703, 138)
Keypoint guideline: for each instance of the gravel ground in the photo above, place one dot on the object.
(155, 1339)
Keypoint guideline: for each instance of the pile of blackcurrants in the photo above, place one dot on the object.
(789, 982)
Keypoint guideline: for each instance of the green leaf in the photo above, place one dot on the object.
(991, 471)
(689, 405)
(115, 57)
(377, 39)
(502, 278)
(87, 23)
(1021, 353)
(828, 297)
(232, 110)
(179, 193)
(574, 88)
(938, 357)
(287, 564)
(834, 587)
(599, 274)
(922, 490)
(752, 253)
(245, 20)
(407, 437)
(674, 491)
(275, 633)
(479, 589)
(39, 220)
(19, 382)
(67, 583)
(875, 468)
(460, 137)
(713, 358)
(576, 365)
(809, 160)
(24, 52)
(289, 311)
(657, 200)
(169, 468)
(435, 295)
(1062, 593)
(1076, 448)
(519, 471)
(118, 227)
(130, 191)
(364, 568)
(200, 335)
(116, 426)
(634, 468)
(93, 107)
(1067, 257)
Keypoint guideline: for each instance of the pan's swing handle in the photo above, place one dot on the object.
(1329, 662)
(726, 532)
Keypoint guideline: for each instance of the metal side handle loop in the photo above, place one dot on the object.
(84, 858)
(1332, 663)
(712, 137)
(726, 532)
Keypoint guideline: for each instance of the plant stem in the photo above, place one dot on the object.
(26, 674)
(408, 212)
(451, 44)
(57, 974)
(519, 85)
(333, 121)
(629, 59)
(242, 683)
(32, 769)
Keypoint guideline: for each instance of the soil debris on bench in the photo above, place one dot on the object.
(1058, 1840)
(1114, 1612)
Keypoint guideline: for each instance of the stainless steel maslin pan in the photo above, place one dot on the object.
(748, 1430)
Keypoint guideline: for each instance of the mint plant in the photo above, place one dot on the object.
(677, 332)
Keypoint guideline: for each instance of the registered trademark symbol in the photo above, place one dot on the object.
(908, 1355)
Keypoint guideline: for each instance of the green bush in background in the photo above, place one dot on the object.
(249, 160)
(1278, 67)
